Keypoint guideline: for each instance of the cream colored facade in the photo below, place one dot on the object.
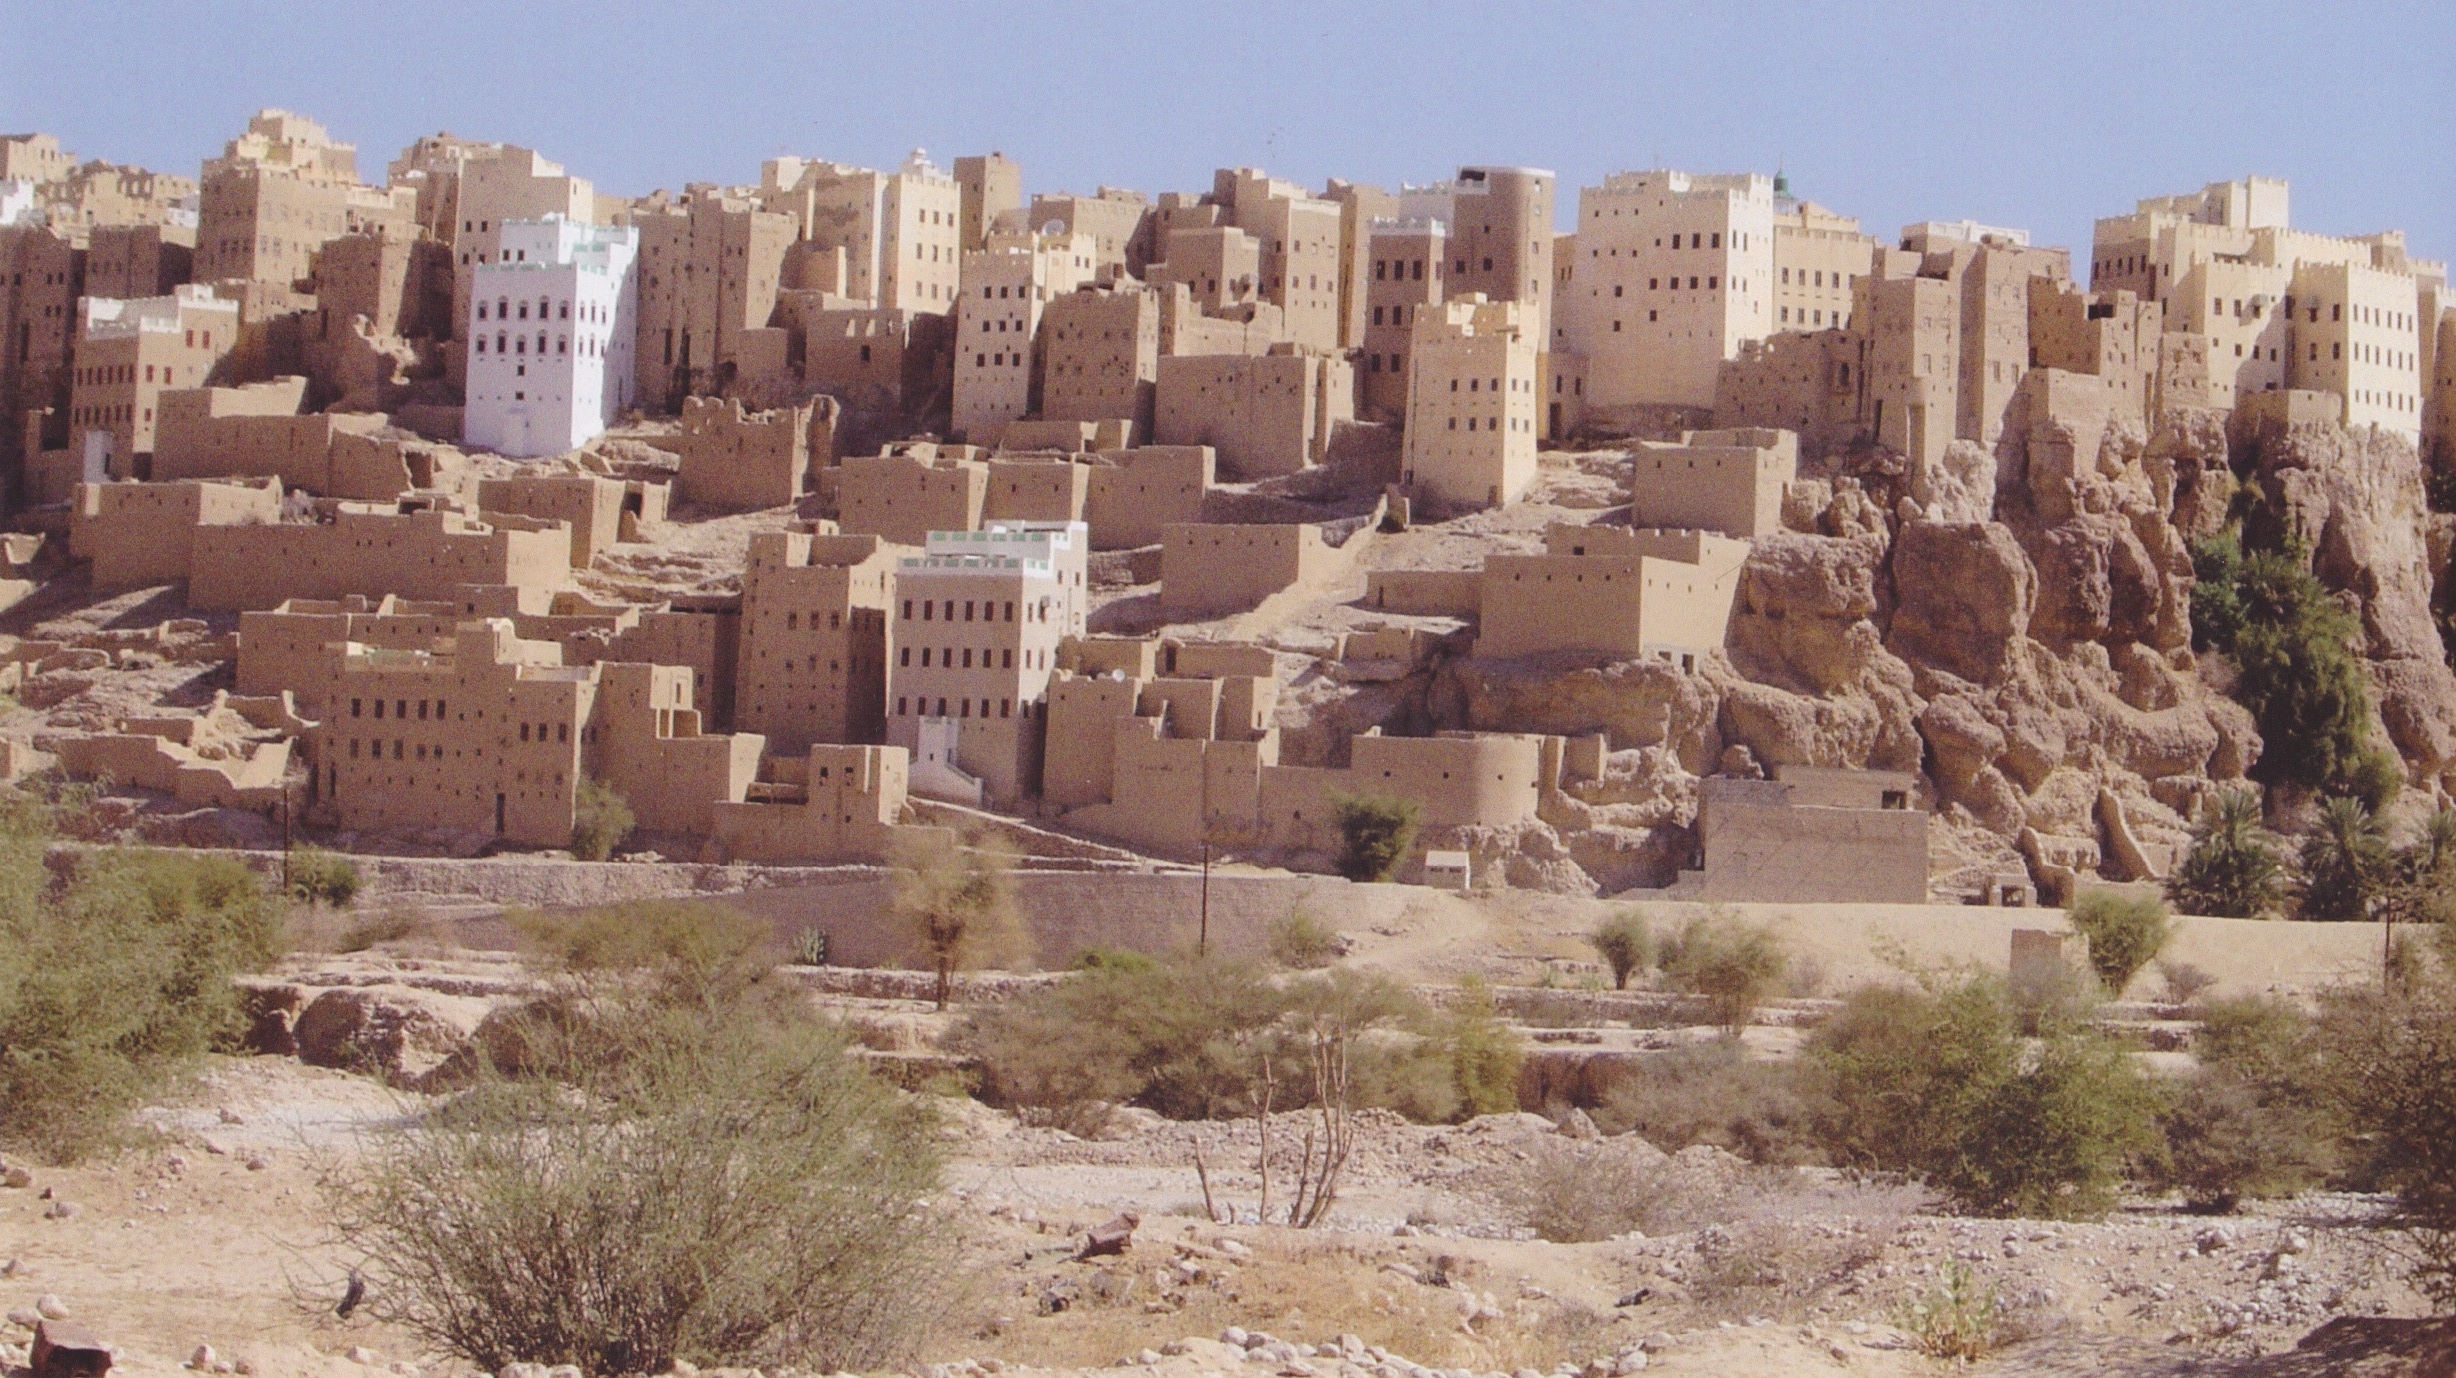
(910, 491)
(1263, 414)
(1612, 591)
(987, 187)
(1810, 835)
(428, 555)
(1672, 273)
(744, 460)
(1473, 403)
(1005, 288)
(901, 232)
(1408, 256)
(2278, 308)
(1114, 218)
(277, 194)
(1499, 236)
(1730, 483)
(129, 353)
(814, 638)
(1100, 350)
(1210, 569)
(1303, 255)
(707, 275)
(1818, 256)
(33, 158)
(138, 534)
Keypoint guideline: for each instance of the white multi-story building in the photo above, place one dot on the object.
(976, 619)
(550, 331)
(1672, 272)
(19, 203)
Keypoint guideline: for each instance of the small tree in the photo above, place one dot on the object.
(1374, 834)
(1733, 964)
(1625, 944)
(600, 820)
(2125, 933)
(956, 902)
(2346, 863)
(1939, 1082)
(2231, 870)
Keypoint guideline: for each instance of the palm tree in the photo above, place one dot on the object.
(2231, 870)
(2346, 862)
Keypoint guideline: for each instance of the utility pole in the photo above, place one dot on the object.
(285, 840)
(1202, 935)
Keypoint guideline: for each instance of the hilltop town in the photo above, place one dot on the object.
(1713, 547)
(627, 625)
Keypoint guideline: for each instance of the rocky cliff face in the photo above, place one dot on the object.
(2015, 625)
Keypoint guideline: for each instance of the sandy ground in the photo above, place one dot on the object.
(210, 1233)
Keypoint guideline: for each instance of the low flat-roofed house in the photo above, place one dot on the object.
(1811, 835)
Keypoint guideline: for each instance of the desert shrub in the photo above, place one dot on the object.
(1374, 834)
(1938, 1083)
(321, 877)
(2389, 1055)
(2231, 870)
(2183, 982)
(113, 982)
(1624, 943)
(1734, 965)
(1959, 1319)
(1714, 1093)
(2125, 932)
(390, 926)
(2347, 865)
(1177, 1037)
(1300, 942)
(732, 1189)
(1577, 1193)
(956, 903)
(2224, 1141)
(1113, 959)
(600, 820)
(1209, 1038)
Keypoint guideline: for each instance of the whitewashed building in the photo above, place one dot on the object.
(550, 330)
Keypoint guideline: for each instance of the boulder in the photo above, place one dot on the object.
(64, 1350)
(416, 1039)
(1964, 594)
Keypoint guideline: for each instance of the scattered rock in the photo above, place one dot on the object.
(63, 1350)
(1109, 1237)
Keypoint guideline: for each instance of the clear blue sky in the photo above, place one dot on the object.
(2037, 115)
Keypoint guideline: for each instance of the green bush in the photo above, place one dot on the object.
(1374, 835)
(2125, 932)
(111, 984)
(2231, 870)
(2346, 863)
(1113, 959)
(1624, 942)
(2225, 1141)
(718, 1182)
(1715, 1093)
(1734, 965)
(321, 877)
(1300, 942)
(2299, 668)
(1204, 1038)
(2389, 1056)
(1939, 1083)
(600, 820)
